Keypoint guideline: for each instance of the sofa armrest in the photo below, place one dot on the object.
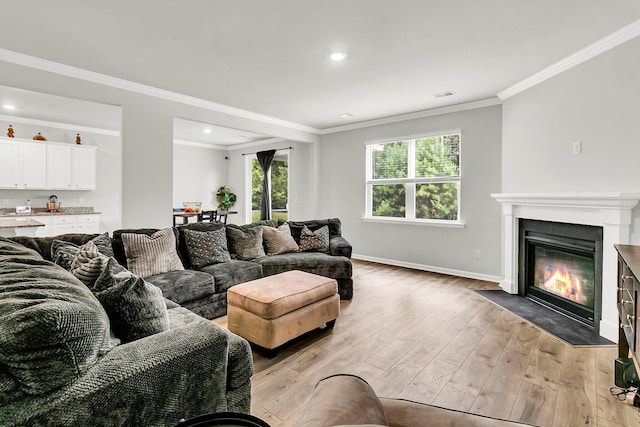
(338, 246)
(157, 380)
(405, 413)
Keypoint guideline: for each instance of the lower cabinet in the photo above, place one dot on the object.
(62, 224)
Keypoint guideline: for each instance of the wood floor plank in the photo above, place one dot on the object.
(429, 336)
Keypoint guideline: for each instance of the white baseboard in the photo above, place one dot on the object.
(423, 267)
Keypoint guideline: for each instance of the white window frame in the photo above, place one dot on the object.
(410, 184)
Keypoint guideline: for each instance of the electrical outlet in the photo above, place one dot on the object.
(577, 147)
(477, 254)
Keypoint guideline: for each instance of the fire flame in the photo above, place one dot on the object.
(561, 283)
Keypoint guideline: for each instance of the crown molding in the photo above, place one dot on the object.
(58, 125)
(415, 115)
(605, 44)
(196, 144)
(106, 80)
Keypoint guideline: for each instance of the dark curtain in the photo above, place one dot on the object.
(265, 158)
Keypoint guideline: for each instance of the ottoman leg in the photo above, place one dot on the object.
(330, 324)
(269, 353)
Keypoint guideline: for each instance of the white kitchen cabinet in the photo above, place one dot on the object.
(32, 165)
(61, 224)
(9, 158)
(25, 164)
(59, 167)
(83, 167)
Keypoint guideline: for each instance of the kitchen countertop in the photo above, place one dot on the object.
(11, 213)
(19, 223)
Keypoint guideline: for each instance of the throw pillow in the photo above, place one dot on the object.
(88, 264)
(207, 247)
(314, 240)
(136, 308)
(279, 240)
(63, 252)
(245, 243)
(149, 255)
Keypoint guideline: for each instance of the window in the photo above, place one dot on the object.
(416, 178)
(279, 181)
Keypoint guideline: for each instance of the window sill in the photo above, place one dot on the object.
(423, 222)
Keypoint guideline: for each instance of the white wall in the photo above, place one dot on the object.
(107, 196)
(197, 174)
(342, 194)
(597, 103)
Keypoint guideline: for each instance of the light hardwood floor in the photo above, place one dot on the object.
(429, 338)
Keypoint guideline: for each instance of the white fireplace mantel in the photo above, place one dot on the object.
(611, 211)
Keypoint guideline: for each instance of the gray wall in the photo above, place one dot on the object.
(342, 194)
(197, 175)
(597, 103)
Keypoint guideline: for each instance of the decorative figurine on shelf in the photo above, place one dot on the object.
(39, 137)
(78, 140)
(10, 131)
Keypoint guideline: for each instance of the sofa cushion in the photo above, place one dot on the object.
(245, 243)
(278, 240)
(42, 245)
(231, 273)
(149, 255)
(206, 247)
(317, 241)
(136, 308)
(118, 244)
(183, 285)
(336, 267)
(53, 327)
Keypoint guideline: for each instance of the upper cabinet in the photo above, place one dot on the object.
(46, 165)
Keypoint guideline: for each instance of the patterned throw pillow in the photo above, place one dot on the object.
(279, 240)
(136, 308)
(149, 255)
(245, 243)
(63, 252)
(206, 247)
(88, 264)
(314, 240)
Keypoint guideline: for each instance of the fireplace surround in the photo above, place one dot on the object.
(611, 211)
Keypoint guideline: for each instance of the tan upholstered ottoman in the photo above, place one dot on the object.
(275, 309)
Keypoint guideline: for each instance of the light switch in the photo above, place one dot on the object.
(577, 147)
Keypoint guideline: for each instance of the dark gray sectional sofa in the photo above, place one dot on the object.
(204, 291)
(61, 363)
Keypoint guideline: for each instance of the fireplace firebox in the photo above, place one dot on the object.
(560, 266)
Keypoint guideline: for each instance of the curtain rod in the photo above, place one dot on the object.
(279, 149)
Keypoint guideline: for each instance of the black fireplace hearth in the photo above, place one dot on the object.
(560, 266)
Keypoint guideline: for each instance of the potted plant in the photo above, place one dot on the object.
(225, 198)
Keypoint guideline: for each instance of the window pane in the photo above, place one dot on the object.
(389, 200)
(256, 186)
(390, 160)
(437, 201)
(279, 188)
(438, 156)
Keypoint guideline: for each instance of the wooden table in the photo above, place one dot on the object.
(184, 215)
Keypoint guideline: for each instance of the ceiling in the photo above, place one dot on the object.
(271, 57)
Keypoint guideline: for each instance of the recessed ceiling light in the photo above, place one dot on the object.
(345, 115)
(337, 56)
(207, 130)
(9, 107)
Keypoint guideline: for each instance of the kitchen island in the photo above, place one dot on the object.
(10, 227)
